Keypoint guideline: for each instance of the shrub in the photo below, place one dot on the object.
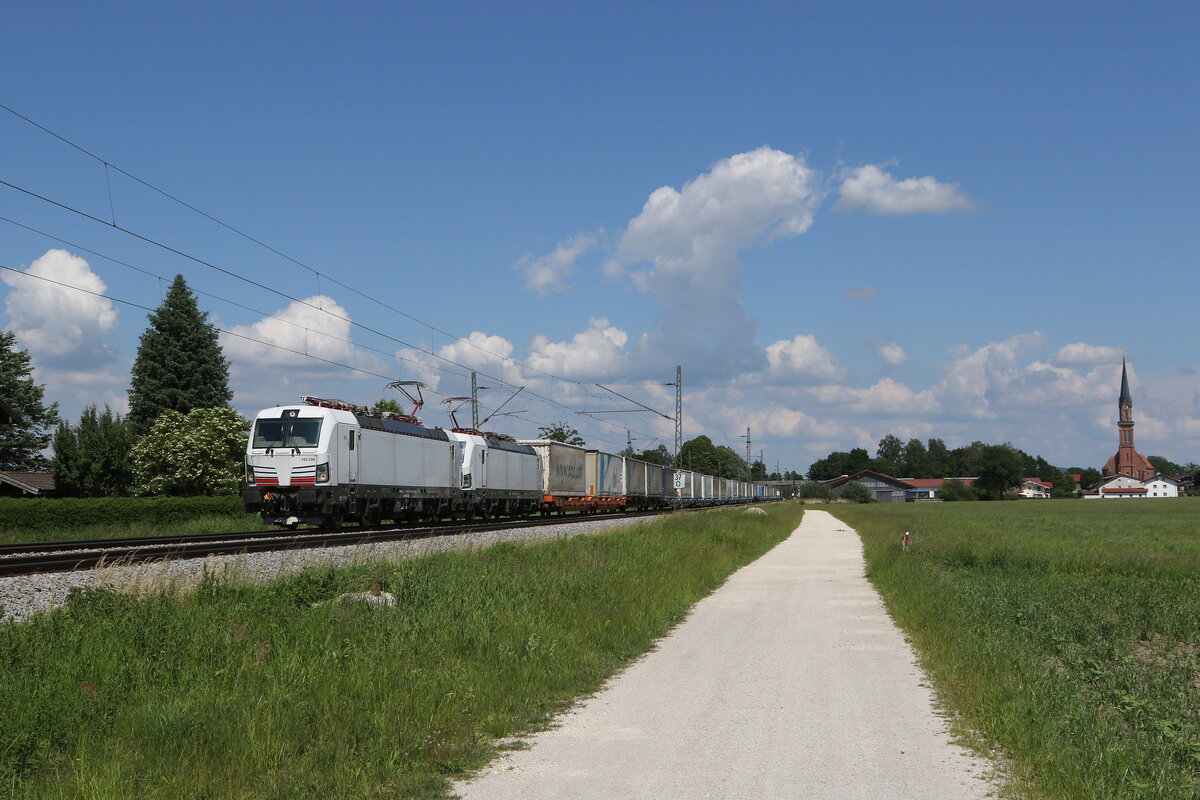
(814, 491)
(954, 490)
(856, 492)
(23, 514)
(202, 452)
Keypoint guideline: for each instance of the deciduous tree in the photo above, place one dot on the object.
(1000, 470)
(198, 453)
(561, 432)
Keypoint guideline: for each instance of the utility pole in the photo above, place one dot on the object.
(629, 441)
(747, 438)
(474, 402)
(678, 411)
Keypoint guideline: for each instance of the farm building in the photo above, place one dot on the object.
(884, 488)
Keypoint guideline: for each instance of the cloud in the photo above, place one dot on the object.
(314, 328)
(862, 293)
(974, 380)
(689, 242)
(477, 351)
(548, 273)
(598, 351)
(886, 396)
(1080, 354)
(891, 354)
(61, 327)
(869, 188)
(802, 359)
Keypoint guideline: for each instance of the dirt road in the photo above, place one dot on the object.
(790, 681)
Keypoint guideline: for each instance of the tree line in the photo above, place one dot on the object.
(994, 464)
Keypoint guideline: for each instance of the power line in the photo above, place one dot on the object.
(285, 295)
(235, 334)
(108, 165)
(234, 303)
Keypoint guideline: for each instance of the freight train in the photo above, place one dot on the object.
(326, 462)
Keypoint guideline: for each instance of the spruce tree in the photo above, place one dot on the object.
(23, 440)
(95, 457)
(179, 364)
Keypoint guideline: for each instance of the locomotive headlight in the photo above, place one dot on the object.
(323, 472)
(249, 474)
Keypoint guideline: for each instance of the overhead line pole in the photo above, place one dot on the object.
(678, 411)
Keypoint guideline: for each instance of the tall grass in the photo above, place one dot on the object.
(1066, 633)
(274, 691)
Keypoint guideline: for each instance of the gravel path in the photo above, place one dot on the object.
(790, 681)
(21, 597)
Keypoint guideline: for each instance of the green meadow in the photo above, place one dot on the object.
(278, 691)
(1064, 635)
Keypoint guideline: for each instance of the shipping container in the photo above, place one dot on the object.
(635, 477)
(605, 474)
(654, 480)
(564, 470)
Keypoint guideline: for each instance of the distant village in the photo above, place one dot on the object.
(1126, 475)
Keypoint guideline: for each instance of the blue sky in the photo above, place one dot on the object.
(842, 220)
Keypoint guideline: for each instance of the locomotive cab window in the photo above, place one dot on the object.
(293, 432)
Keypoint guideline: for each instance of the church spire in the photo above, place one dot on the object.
(1125, 399)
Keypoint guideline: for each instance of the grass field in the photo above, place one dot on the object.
(274, 692)
(204, 524)
(1066, 633)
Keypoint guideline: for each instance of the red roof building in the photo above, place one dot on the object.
(1127, 460)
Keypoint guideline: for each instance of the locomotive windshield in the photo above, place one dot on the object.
(295, 432)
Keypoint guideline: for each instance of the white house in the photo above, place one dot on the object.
(1117, 486)
(1034, 488)
(1162, 486)
(1120, 486)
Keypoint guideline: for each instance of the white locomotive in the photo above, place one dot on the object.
(324, 462)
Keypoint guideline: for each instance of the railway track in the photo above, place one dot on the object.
(41, 557)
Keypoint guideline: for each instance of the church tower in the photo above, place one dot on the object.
(1127, 460)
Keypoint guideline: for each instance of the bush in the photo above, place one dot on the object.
(954, 490)
(202, 452)
(814, 491)
(856, 492)
(24, 514)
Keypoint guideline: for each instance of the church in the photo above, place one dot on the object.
(1127, 461)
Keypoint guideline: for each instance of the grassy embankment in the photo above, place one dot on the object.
(255, 692)
(1066, 632)
(70, 518)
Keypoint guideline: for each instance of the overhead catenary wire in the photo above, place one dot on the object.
(285, 295)
(331, 362)
(108, 165)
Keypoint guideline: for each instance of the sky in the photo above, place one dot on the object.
(841, 220)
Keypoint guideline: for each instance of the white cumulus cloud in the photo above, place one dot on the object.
(1080, 354)
(315, 328)
(869, 188)
(61, 327)
(548, 273)
(891, 354)
(684, 249)
(801, 358)
(597, 351)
